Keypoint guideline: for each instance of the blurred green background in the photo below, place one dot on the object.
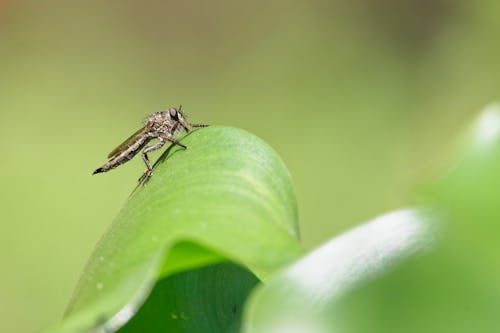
(364, 100)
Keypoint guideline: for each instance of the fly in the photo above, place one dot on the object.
(162, 125)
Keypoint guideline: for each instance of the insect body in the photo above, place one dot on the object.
(161, 125)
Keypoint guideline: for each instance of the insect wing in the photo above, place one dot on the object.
(125, 144)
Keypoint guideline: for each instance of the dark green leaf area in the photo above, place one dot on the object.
(207, 299)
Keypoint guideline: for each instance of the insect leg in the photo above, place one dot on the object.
(174, 128)
(198, 125)
(175, 142)
(186, 126)
(146, 150)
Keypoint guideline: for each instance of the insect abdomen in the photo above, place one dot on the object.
(125, 156)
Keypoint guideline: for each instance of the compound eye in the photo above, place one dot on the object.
(173, 113)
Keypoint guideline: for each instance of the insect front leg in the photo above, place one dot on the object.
(198, 125)
(188, 125)
(149, 169)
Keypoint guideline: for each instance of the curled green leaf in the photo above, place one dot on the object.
(228, 197)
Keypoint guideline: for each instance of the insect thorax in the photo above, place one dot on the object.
(160, 123)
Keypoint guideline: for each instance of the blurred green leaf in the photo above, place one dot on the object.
(449, 280)
(227, 198)
(300, 298)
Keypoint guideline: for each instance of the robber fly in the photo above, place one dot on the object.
(161, 125)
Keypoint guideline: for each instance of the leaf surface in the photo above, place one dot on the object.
(228, 197)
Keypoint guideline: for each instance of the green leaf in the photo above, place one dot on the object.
(300, 298)
(435, 269)
(207, 299)
(228, 197)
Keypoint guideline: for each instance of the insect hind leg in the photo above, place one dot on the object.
(149, 169)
